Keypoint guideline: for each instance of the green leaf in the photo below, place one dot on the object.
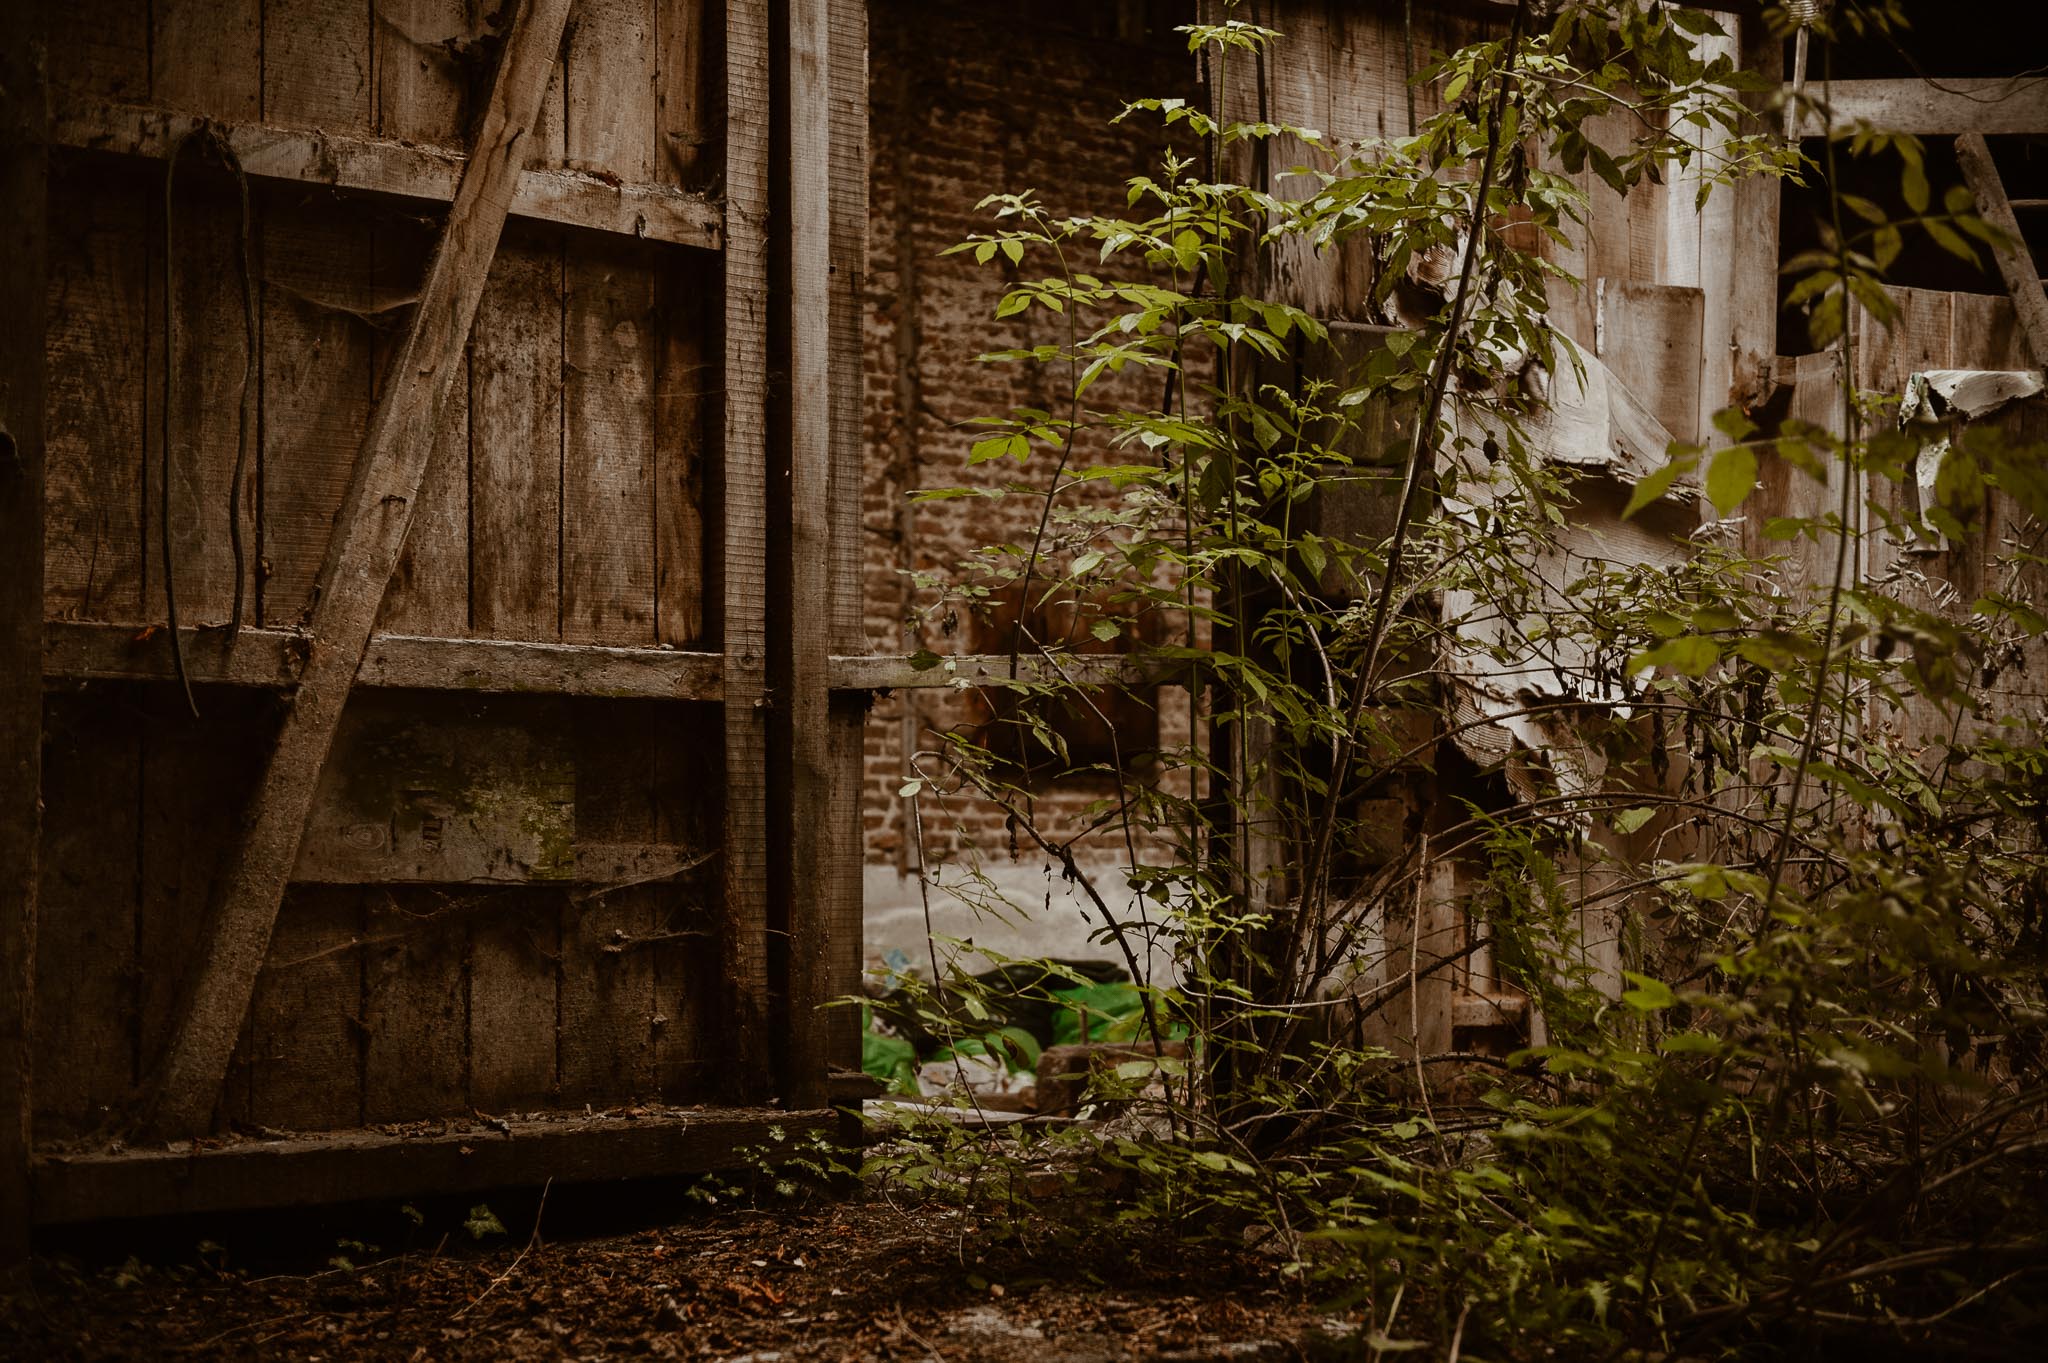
(1105, 630)
(1649, 995)
(1629, 820)
(1689, 654)
(1655, 485)
(910, 788)
(1731, 477)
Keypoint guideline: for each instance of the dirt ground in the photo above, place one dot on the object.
(855, 1280)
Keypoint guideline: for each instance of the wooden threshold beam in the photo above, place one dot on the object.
(369, 533)
(2015, 262)
(76, 651)
(376, 165)
(352, 1166)
(1994, 106)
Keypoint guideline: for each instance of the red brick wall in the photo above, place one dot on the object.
(967, 99)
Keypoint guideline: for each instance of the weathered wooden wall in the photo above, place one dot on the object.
(504, 901)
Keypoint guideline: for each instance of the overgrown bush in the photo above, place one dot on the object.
(1761, 846)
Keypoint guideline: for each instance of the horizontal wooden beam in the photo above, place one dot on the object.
(900, 672)
(376, 165)
(1993, 106)
(75, 651)
(352, 1166)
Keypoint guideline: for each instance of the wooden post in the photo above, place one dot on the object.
(743, 487)
(802, 804)
(2014, 261)
(368, 536)
(24, 163)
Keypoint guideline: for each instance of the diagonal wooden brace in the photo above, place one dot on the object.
(2029, 300)
(361, 556)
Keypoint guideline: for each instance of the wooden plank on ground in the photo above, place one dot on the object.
(743, 478)
(1973, 105)
(360, 559)
(374, 165)
(515, 476)
(93, 480)
(356, 1165)
(2015, 261)
(24, 228)
(86, 966)
(608, 489)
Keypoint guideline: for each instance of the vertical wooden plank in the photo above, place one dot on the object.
(24, 226)
(743, 477)
(200, 399)
(1298, 88)
(316, 386)
(429, 593)
(206, 57)
(306, 1018)
(96, 304)
(1984, 333)
(804, 203)
(610, 67)
(86, 966)
(424, 50)
(685, 377)
(688, 1048)
(608, 490)
(846, 850)
(1917, 339)
(1738, 271)
(316, 64)
(515, 476)
(196, 779)
(415, 1003)
(608, 1009)
(1649, 337)
(687, 93)
(99, 49)
(514, 955)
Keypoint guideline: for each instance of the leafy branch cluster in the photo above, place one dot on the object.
(1760, 846)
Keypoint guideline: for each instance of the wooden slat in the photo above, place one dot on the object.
(360, 559)
(1993, 105)
(805, 202)
(898, 672)
(847, 62)
(273, 658)
(514, 952)
(609, 71)
(608, 493)
(515, 467)
(24, 167)
(1648, 335)
(316, 64)
(356, 1165)
(205, 57)
(743, 478)
(94, 566)
(306, 1015)
(415, 1005)
(687, 93)
(2015, 261)
(377, 165)
(422, 92)
(685, 403)
(99, 48)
